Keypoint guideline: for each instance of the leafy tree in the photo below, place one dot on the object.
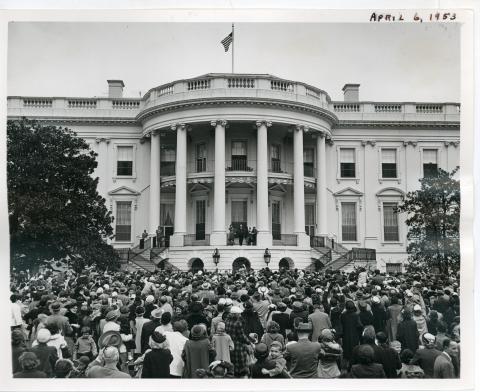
(55, 211)
(433, 217)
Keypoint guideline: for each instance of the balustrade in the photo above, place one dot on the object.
(241, 83)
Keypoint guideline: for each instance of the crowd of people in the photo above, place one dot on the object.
(242, 324)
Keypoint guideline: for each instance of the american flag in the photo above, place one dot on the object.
(227, 41)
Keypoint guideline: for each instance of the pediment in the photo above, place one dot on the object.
(348, 192)
(199, 188)
(124, 191)
(390, 191)
(277, 188)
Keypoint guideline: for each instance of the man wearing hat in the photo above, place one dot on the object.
(303, 355)
(149, 327)
(105, 366)
(319, 320)
(425, 357)
(60, 321)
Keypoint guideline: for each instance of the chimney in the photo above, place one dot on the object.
(115, 88)
(350, 92)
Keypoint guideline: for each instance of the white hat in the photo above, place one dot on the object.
(222, 301)
(375, 300)
(114, 294)
(106, 286)
(417, 307)
(43, 335)
(150, 298)
(409, 293)
(228, 302)
(235, 310)
(99, 290)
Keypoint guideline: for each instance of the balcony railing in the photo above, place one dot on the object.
(191, 240)
(201, 165)
(240, 163)
(286, 240)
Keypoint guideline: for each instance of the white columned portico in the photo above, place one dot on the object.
(180, 225)
(264, 235)
(298, 186)
(321, 210)
(218, 237)
(154, 181)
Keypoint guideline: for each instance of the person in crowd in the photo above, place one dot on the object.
(319, 320)
(47, 355)
(393, 316)
(197, 352)
(19, 346)
(251, 320)
(234, 326)
(222, 343)
(330, 355)
(140, 320)
(105, 365)
(148, 328)
(63, 368)
(443, 366)
(351, 329)
(282, 319)
(262, 364)
(389, 358)
(426, 355)
(85, 345)
(407, 332)
(273, 335)
(29, 364)
(156, 363)
(366, 367)
(276, 356)
(303, 355)
(408, 370)
(59, 320)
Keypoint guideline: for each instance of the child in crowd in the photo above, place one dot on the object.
(222, 343)
(273, 335)
(276, 356)
(85, 345)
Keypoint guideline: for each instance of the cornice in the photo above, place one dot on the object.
(254, 101)
(80, 120)
(397, 124)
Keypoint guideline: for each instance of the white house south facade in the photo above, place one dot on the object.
(315, 177)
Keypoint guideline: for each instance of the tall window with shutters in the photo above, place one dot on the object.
(390, 222)
(123, 225)
(430, 162)
(310, 219)
(308, 162)
(349, 222)
(167, 160)
(239, 155)
(275, 158)
(389, 163)
(347, 163)
(124, 160)
(201, 156)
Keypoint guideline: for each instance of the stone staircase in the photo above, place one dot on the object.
(147, 258)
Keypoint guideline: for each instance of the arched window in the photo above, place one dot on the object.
(197, 265)
(240, 263)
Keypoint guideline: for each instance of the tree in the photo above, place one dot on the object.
(433, 217)
(55, 211)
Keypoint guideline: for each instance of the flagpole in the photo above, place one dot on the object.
(233, 45)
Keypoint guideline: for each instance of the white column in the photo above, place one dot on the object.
(321, 210)
(264, 236)
(298, 187)
(218, 236)
(180, 186)
(154, 212)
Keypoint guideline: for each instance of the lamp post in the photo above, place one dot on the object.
(267, 256)
(216, 258)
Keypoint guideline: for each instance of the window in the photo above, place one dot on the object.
(310, 219)
(389, 163)
(239, 155)
(308, 162)
(430, 163)
(349, 222)
(347, 162)
(200, 220)
(123, 227)
(390, 222)
(392, 268)
(276, 222)
(275, 158)
(167, 160)
(239, 214)
(201, 153)
(124, 160)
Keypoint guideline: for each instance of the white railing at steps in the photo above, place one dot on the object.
(37, 103)
(200, 84)
(82, 103)
(120, 104)
(241, 83)
(388, 108)
(429, 108)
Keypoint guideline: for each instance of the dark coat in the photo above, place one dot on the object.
(147, 331)
(377, 354)
(283, 321)
(197, 354)
(157, 364)
(390, 361)
(195, 318)
(379, 318)
(47, 356)
(303, 314)
(30, 374)
(351, 332)
(256, 369)
(366, 317)
(425, 358)
(407, 335)
(16, 352)
(251, 323)
(373, 370)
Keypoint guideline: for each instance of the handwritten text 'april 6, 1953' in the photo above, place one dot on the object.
(417, 17)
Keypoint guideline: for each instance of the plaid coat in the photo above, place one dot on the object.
(240, 355)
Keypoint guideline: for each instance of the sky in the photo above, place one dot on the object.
(391, 62)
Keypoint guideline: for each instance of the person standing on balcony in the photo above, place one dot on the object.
(143, 238)
(254, 235)
(231, 235)
(241, 233)
(159, 235)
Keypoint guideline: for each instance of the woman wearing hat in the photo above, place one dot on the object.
(234, 326)
(330, 355)
(351, 329)
(156, 363)
(197, 352)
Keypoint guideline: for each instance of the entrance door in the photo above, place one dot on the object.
(239, 214)
(200, 220)
(197, 265)
(167, 220)
(276, 223)
(240, 263)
